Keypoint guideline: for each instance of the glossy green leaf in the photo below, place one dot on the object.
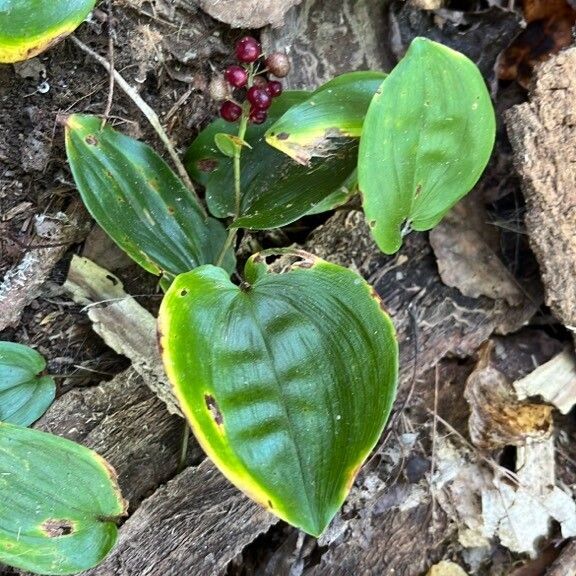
(25, 393)
(28, 27)
(137, 199)
(275, 189)
(427, 138)
(287, 380)
(337, 109)
(60, 502)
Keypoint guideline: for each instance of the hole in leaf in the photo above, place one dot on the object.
(183, 292)
(53, 528)
(283, 136)
(214, 410)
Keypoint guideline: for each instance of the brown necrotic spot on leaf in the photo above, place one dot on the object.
(207, 164)
(53, 527)
(183, 292)
(283, 136)
(91, 140)
(214, 410)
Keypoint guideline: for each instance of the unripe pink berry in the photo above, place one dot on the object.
(278, 64)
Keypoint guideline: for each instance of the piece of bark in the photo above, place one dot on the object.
(325, 38)
(123, 324)
(543, 135)
(21, 285)
(565, 565)
(124, 422)
(248, 13)
(195, 524)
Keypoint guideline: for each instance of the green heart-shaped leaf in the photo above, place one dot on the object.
(28, 27)
(337, 109)
(427, 137)
(25, 394)
(287, 379)
(276, 190)
(59, 503)
(137, 199)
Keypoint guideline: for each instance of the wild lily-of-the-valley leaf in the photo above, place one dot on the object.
(276, 190)
(427, 137)
(25, 392)
(28, 27)
(59, 505)
(137, 199)
(337, 109)
(287, 379)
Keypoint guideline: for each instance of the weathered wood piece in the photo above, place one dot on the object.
(325, 38)
(196, 524)
(543, 135)
(127, 424)
(21, 285)
(248, 13)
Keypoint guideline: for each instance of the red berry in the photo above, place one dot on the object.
(259, 98)
(274, 88)
(258, 116)
(230, 111)
(278, 64)
(248, 49)
(236, 76)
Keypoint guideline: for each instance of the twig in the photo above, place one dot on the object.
(434, 441)
(150, 115)
(111, 61)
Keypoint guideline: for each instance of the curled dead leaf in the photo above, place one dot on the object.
(497, 417)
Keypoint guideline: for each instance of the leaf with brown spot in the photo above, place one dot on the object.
(60, 503)
(288, 383)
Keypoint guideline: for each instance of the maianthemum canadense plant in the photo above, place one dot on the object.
(286, 372)
(287, 377)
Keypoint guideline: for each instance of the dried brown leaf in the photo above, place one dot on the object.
(497, 417)
(466, 251)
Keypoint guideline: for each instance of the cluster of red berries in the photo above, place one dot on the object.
(259, 90)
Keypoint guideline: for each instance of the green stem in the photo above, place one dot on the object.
(229, 241)
(237, 186)
(237, 154)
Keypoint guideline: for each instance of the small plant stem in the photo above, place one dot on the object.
(237, 171)
(237, 187)
(151, 116)
(184, 447)
(229, 241)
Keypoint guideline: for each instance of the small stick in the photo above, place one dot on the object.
(108, 108)
(150, 115)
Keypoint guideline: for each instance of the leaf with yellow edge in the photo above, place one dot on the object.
(60, 503)
(28, 27)
(287, 380)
